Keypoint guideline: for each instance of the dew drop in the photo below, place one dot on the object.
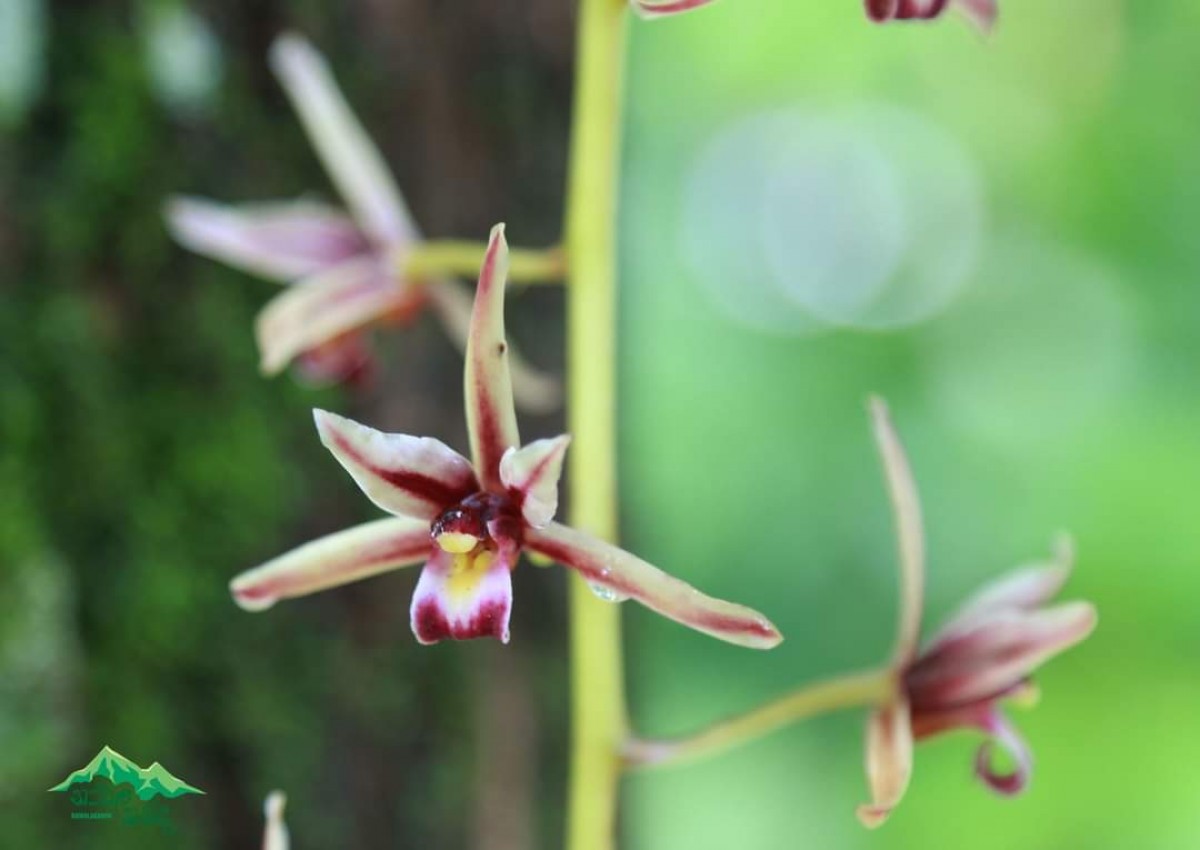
(606, 593)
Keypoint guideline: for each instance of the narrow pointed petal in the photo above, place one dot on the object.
(626, 576)
(533, 391)
(910, 535)
(334, 560)
(348, 360)
(463, 596)
(280, 241)
(981, 13)
(533, 471)
(409, 476)
(322, 308)
(1023, 589)
(275, 834)
(1003, 734)
(889, 761)
(491, 419)
(352, 160)
(996, 655)
(662, 8)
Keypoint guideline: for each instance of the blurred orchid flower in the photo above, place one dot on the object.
(982, 13)
(275, 832)
(344, 270)
(469, 520)
(662, 8)
(983, 655)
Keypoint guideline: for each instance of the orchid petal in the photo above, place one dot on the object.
(982, 13)
(409, 476)
(334, 560)
(889, 761)
(463, 596)
(662, 8)
(275, 834)
(1005, 735)
(626, 576)
(906, 508)
(533, 471)
(1023, 589)
(997, 654)
(352, 160)
(281, 241)
(324, 307)
(491, 419)
(533, 391)
(346, 359)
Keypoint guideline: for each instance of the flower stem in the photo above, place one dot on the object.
(463, 259)
(847, 691)
(598, 720)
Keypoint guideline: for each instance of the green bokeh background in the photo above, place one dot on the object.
(143, 461)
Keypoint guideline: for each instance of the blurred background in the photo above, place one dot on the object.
(995, 234)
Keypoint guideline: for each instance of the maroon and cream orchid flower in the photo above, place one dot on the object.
(982, 13)
(344, 269)
(983, 655)
(469, 520)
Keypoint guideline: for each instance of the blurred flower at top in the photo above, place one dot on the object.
(982, 13)
(662, 8)
(986, 653)
(344, 269)
(470, 520)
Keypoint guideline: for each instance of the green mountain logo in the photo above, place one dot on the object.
(147, 782)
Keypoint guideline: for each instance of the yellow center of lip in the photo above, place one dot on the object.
(457, 542)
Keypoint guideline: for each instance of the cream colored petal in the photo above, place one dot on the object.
(281, 241)
(409, 476)
(491, 418)
(1022, 589)
(324, 307)
(620, 575)
(334, 560)
(533, 391)
(889, 761)
(910, 535)
(275, 834)
(534, 471)
(352, 160)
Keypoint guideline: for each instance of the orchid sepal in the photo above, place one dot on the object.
(331, 561)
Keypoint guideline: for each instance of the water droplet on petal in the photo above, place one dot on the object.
(606, 593)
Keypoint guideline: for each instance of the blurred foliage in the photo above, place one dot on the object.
(144, 461)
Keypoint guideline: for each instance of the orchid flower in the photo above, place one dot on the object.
(469, 520)
(275, 831)
(982, 13)
(344, 269)
(662, 8)
(984, 654)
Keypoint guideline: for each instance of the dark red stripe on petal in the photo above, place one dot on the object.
(422, 486)
(670, 8)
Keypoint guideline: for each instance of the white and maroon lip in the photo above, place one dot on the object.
(491, 418)
(456, 599)
(408, 476)
(282, 240)
(627, 576)
(341, 558)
